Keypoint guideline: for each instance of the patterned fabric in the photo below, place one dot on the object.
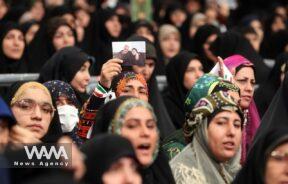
(59, 88)
(205, 107)
(119, 83)
(118, 119)
(196, 163)
(206, 85)
(89, 112)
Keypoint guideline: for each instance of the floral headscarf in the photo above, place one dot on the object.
(207, 107)
(119, 83)
(118, 119)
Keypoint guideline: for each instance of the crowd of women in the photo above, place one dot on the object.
(201, 128)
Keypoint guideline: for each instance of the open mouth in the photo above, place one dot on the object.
(229, 145)
(144, 148)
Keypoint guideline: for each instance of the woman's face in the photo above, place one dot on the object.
(122, 171)
(276, 170)
(31, 33)
(206, 47)
(145, 32)
(178, 17)
(134, 52)
(193, 72)
(13, 44)
(3, 8)
(224, 135)
(82, 78)
(83, 17)
(245, 80)
(135, 88)
(170, 45)
(34, 111)
(63, 37)
(146, 70)
(63, 100)
(113, 26)
(141, 129)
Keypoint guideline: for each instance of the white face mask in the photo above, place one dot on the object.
(68, 116)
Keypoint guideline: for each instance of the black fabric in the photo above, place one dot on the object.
(105, 39)
(159, 171)
(253, 171)
(9, 65)
(101, 152)
(165, 124)
(199, 40)
(64, 65)
(41, 48)
(266, 92)
(174, 95)
(277, 113)
(230, 43)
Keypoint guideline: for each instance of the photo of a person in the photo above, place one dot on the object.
(135, 54)
(132, 53)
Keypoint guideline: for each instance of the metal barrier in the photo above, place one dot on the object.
(8, 79)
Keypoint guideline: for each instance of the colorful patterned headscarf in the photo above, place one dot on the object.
(59, 88)
(206, 108)
(204, 86)
(119, 83)
(118, 119)
(234, 64)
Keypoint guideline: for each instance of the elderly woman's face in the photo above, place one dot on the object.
(123, 170)
(276, 170)
(170, 45)
(34, 111)
(141, 129)
(224, 135)
(13, 44)
(245, 80)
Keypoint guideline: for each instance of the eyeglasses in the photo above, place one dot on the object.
(29, 105)
(279, 156)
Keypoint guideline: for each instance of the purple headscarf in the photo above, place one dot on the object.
(253, 119)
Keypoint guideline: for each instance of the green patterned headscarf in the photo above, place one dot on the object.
(207, 107)
(118, 119)
(204, 86)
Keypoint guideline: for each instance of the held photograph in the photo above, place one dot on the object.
(132, 53)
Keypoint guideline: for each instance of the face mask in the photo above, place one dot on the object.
(68, 117)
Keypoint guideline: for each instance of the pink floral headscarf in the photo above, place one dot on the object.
(252, 116)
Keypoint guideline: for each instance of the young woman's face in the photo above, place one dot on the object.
(146, 70)
(206, 47)
(170, 45)
(276, 170)
(31, 33)
(34, 111)
(135, 88)
(245, 80)
(82, 78)
(224, 135)
(193, 72)
(63, 37)
(134, 52)
(13, 44)
(141, 129)
(63, 100)
(113, 26)
(178, 17)
(122, 171)
(145, 32)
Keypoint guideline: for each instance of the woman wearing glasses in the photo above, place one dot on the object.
(31, 104)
